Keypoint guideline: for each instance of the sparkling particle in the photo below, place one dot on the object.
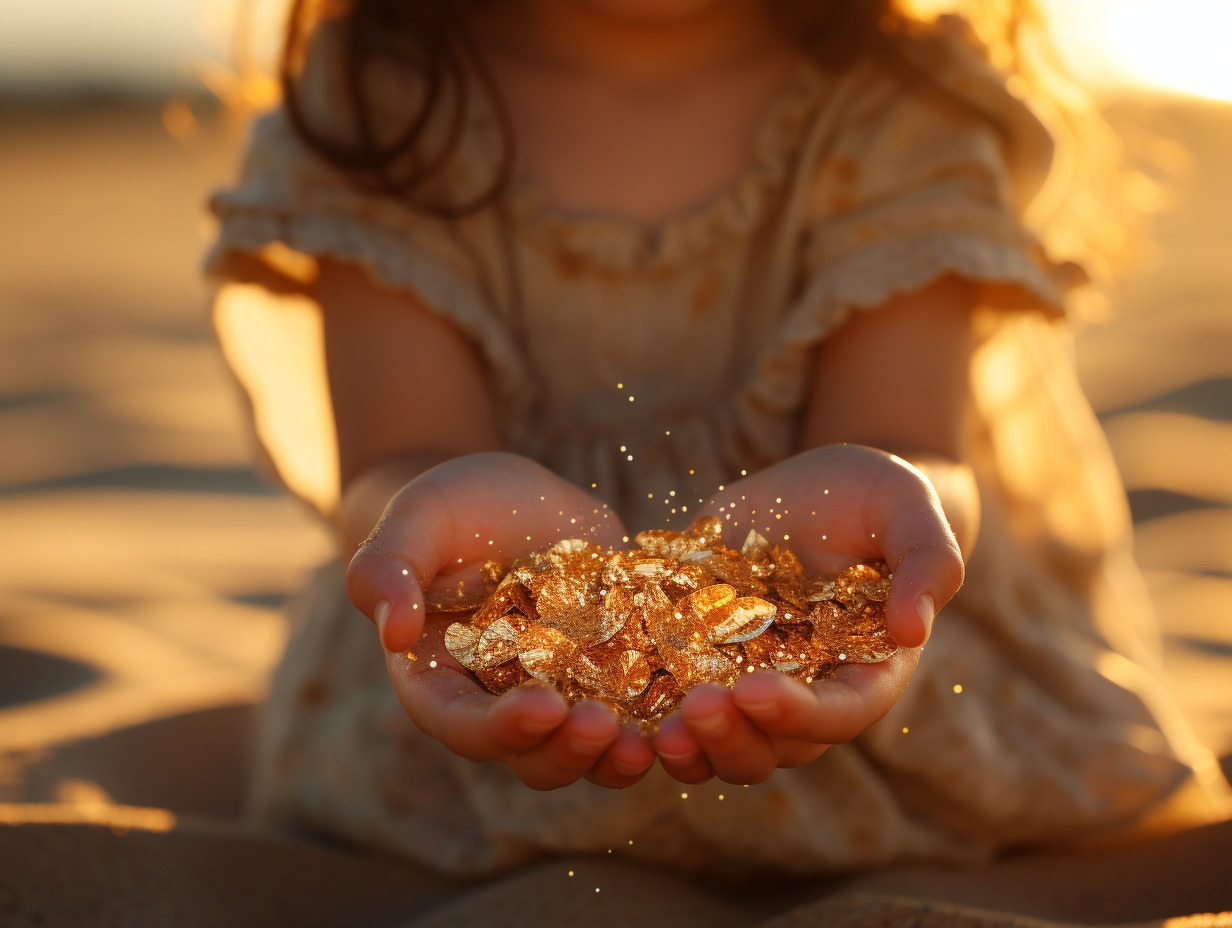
(957, 687)
(785, 538)
(431, 663)
(596, 889)
(823, 537)
(630, 400)
(411, 657)
(744, 473)
(620, 386)
(594, 486)
(630, 840)
(842, 657)
(414, 605)
(571, 873)
(778, 499)
(405, 571)
(623, 448)
(721, 797)
(684, 795)
(905, 729)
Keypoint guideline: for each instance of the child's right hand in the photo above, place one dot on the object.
(447, 522)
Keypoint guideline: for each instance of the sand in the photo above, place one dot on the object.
(144, 565)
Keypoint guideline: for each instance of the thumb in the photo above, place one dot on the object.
(923, 553)
(398, 561)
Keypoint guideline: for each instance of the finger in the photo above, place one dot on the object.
(829, 711)
(570, 751)
(448, 704)
(737, 751)
(679, 752)
(628, 759)
(917, 542)
(490, 506)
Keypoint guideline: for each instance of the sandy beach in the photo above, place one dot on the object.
(145, 563)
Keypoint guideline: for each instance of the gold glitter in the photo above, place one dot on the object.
(411, 657)
(721, 797)
(957, 687)
(904, 729)
(684, 795)
(638, 628)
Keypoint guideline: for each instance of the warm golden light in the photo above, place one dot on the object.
(1175, 46)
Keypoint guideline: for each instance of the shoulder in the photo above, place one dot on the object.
(940, 113)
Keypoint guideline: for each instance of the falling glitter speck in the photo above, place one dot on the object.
(905, 729)
(684, 795)
(957, 687)
(721, 797)
(620, 386)
(432, 663)
(630, 400)
(405, 571)
(744, 473)
(411, 657)
(629, 458)
(594, 486)
(596, 889)
(571, 873)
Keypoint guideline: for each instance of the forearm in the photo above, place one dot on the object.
(366, 495)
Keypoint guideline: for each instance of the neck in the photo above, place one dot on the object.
(609, 39)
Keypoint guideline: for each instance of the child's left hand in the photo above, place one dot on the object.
(833, 506)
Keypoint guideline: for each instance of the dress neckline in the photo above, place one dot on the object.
(616, 242)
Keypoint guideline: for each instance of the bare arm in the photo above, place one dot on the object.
(898, 379)
(408, 390)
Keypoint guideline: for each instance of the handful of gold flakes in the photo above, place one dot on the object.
(639, 628)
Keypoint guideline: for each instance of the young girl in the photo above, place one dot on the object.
(585, 267)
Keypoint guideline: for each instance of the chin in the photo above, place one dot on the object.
(648, 12)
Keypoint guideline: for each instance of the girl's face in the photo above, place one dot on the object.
(648, 12)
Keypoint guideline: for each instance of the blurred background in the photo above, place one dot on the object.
(143, 563)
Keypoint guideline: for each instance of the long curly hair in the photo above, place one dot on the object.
(431, 36)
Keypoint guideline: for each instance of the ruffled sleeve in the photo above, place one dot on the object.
(899, 186)
(923, 182)
(290, 207)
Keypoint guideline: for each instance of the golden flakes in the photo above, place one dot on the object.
(639, 628)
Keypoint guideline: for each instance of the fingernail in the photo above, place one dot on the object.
(928, 611)
(381, 615)
(715, 725)
(680, 759)
(579, 745)
(762, 711)
(628, 770)
(534, 726)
